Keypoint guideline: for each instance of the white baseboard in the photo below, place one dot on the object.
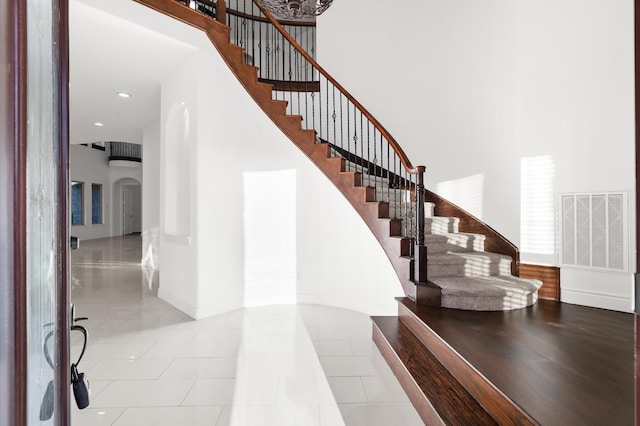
(596, 300)
(199, 312)
(218, 309)
(390, 308)
(178, 303)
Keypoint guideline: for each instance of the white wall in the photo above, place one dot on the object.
(578, 108)
(235, 255)
(474, 90)
(442, 78)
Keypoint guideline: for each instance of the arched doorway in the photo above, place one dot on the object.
(127, 207)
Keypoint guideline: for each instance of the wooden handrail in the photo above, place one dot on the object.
(222, 9)
(266, 20)
(392, 142)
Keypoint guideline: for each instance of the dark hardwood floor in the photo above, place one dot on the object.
(562, 364)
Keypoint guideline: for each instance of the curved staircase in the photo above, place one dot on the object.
(449, 268)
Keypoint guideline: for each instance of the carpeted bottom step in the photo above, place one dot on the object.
(494, 293)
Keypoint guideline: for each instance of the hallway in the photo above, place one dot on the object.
(150, 364)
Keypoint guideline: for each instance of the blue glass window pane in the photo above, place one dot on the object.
(96, 203)
(76, 203)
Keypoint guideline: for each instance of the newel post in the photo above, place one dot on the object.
(426, 292)
(420, 252)
(221, 11)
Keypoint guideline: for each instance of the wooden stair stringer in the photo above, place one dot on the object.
(361, 198)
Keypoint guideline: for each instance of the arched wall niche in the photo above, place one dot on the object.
(177, 168)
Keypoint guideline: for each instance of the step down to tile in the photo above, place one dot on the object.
(438, 397)
(500, 407)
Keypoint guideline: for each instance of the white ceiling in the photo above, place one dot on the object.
(111, 52)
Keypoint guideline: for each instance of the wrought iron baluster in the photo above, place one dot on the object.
(268, 52)
(290, 74)
(354, 153)
(348, 134)
(235, 30)
(310, 125)
(389, 182)
(313, 108)
(341, 123)
(369, 152)
(396, 186)
(298, 77)
(375, 161)
(260, 66)
(243, 27)
(333, 116)
(320, 108)
(253, 37)
(361, 141)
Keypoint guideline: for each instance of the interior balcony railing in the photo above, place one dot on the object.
(284, 53)
(124, 151)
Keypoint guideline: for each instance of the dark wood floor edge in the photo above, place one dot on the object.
(425, 409)
(489, 396)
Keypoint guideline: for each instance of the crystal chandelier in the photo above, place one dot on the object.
(295, 9)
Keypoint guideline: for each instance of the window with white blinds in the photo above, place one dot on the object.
(593, 230)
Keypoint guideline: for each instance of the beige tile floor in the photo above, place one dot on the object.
(150, 364)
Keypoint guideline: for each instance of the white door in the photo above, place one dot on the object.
(131, 209)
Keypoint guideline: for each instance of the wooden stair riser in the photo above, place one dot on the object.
(377, 208)
(441, 225)
(445, 243)
(488, 303)
(351, 178)
(472, 266)
(279, 106)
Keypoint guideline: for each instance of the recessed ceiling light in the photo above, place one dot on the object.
(124, 95)
(98, 124)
